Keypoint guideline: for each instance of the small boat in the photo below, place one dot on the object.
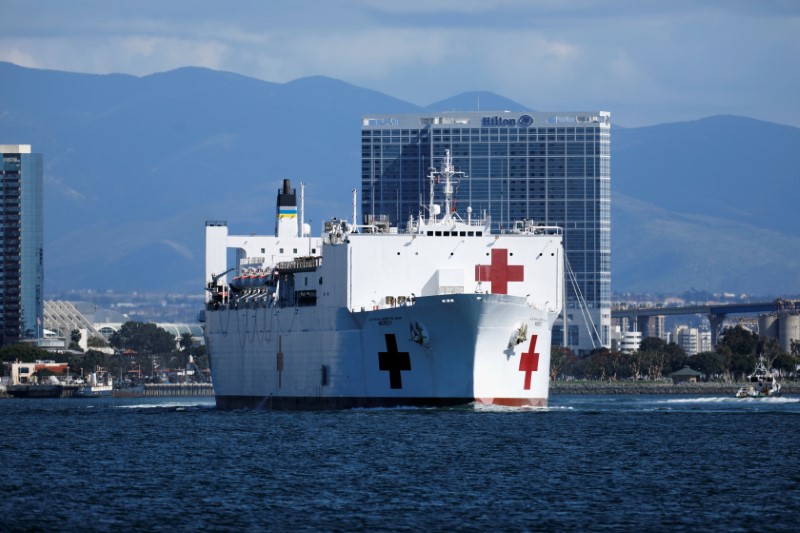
(99, 383)
(762, 383)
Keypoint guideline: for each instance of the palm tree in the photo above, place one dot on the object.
(186, 341)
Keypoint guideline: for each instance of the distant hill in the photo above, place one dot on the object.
(475, 101)
(735, 168)
(134, 166)
(657, 250)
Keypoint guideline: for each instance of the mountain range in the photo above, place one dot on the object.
(134, 166)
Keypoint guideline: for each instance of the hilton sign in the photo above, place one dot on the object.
(522, 122)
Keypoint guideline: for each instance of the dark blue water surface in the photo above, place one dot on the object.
(654, 463)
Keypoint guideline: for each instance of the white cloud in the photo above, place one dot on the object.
(179, 248)
(141, 46)
(13, 54)
(649, 60)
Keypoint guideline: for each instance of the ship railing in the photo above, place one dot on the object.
(387, 302)
(548, 230)
(415, 225)
(302, 264)
(245, 301)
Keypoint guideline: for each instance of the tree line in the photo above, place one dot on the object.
(734, 357)
(141, 349)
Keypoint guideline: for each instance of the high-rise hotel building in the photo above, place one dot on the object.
(21, 244)
(553, 168)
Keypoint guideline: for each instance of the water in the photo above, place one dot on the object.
(589, 463)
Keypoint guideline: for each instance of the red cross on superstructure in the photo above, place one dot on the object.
(499, 273)
(529, 362)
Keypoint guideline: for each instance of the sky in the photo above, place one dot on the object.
(647, 62)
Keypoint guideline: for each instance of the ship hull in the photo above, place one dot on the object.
(441, 351)
(93, 392)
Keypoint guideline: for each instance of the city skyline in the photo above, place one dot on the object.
(647, 62)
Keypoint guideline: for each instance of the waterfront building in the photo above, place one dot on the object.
(704, 340)
(656, 327)
(27, 373)
(625, 341)
(783, 326)
(553, 168)
(631, 341)
(21, 243)
(688, 339)
(686, 375)
(92, 320)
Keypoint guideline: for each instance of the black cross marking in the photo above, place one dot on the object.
(393, 362)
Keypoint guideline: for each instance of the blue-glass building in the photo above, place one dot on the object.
(21, 244)
(553, 168)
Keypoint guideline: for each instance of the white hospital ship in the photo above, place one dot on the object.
(439, 313)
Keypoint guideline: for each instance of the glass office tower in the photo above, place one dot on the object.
(553, 168)
(21, 244)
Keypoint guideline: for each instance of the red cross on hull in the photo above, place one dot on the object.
(529, 362)
(499, 273)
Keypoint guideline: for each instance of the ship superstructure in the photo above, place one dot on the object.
(441, 313)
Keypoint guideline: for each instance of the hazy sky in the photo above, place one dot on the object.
(645, 61)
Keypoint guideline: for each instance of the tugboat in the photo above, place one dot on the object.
(762, 383)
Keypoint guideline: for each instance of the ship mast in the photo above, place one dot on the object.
(447, 173)
(302, 208)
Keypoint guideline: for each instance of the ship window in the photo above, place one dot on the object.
(305, 298)
(280, 250)
(324, 380)
(438, 233)
(430, 234)
(479, 233)
(470, 234)
(263, 250)
(313, 250)
(463, 233)
(294, 250)
(320, 280)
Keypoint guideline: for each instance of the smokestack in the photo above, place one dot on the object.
(286, 213)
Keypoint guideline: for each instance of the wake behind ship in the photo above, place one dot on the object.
(441, 313)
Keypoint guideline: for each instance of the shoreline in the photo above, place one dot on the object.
(639, 387)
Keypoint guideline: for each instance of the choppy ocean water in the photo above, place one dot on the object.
(586, 463)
